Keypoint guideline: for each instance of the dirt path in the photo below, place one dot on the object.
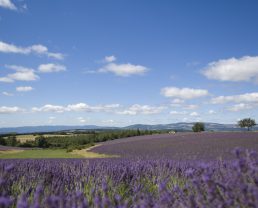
(87, 154)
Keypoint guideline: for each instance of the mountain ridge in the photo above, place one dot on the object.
(180, 126)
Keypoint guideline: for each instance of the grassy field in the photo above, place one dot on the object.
(49, 153)
(31, 137)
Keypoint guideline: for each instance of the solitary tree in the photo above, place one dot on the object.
(198, 127)
(247, 122)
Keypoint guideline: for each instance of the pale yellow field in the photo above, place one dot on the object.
(31, 137)
(13, 151)
(87, 154)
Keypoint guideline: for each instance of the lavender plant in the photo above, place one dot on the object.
(135, 182)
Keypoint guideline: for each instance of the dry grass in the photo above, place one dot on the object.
(87, 154)
(31, 137)
(13, 151)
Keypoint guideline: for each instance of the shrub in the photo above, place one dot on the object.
(41, 142)
(198, 127)
(2, 141)
(12, 141)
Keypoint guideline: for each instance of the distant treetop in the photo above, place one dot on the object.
(247, 122)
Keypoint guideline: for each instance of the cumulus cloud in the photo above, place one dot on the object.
(10, 110)
(177, 101)
(7, 94)
(7, 4)
(21, 74)
(110, 59)
(123, 70)
(183, 93)
(6, 79)
(49, 108)
(233, 69)
(82, 120)
(141, 109)
(178, 112)
(34, 49)
(194, 114)
(88, 108)
(240, 107)
(190, 107)
(247, 97)
(110, 121)
(79, 107)
(24, 89)
(48, 68)
(211, 112)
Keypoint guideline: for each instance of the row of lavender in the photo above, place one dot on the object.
(129, 183)
(181, 146)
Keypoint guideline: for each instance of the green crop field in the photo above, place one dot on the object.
(48, 153)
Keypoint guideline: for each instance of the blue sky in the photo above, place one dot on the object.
(116, 63)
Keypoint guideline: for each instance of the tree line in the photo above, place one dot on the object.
(76, 141)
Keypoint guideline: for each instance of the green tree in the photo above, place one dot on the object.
(41, 142)
(2, 141)
(11, 141)
(198, 127)
(247, 122)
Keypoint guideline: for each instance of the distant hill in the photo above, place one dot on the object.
(186, 127)
(36, 129)
(173, 126)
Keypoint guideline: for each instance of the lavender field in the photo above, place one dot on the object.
(182, 146)
(135, 180)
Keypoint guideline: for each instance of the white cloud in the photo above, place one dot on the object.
(183, 93)
(185, 119)
(79, 107)
(10, 48)
(110, 59)
(51, 119)
(190, 107)
(7, 94)
(10, 110)
(247, 97)
(7, 4)
(177, 101)
(110, 121)
(90, 72)
(233, 69)
(36, 49)
(194, 114)
(21, 74)
(82, 120)
(88, 108)
(178, 112)
(24, 89)
(211, 112)
(141, 109)
(24, 7)
(50, 108)
(124, 70)
(240, 107)
(58, 56)
(48, 68)
(6, 79)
